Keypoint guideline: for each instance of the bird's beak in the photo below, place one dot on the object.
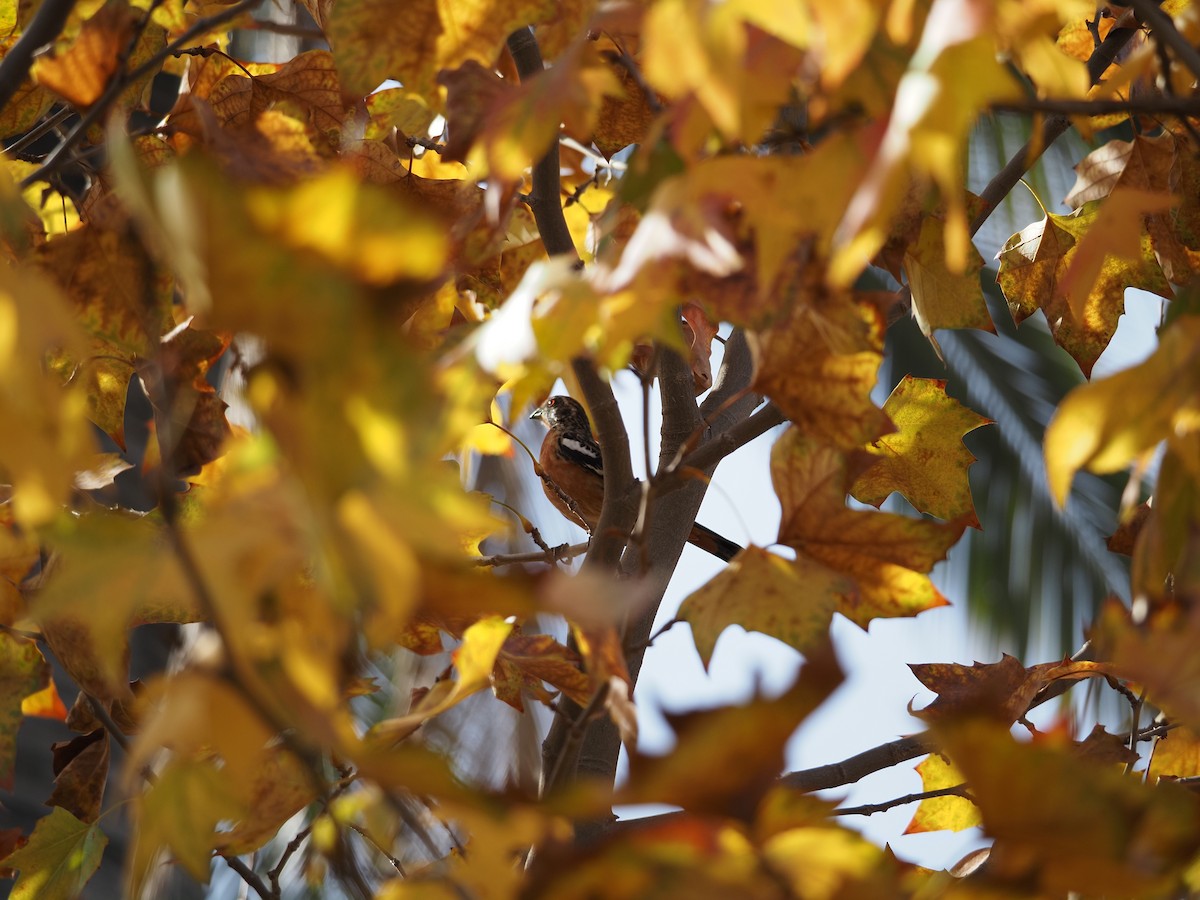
(536, 414)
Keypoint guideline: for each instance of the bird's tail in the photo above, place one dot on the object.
(711, 542)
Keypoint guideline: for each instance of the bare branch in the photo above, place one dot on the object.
(733, 438)
(860, 765)
(1154, 105)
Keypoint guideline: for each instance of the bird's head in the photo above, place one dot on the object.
(563, 411)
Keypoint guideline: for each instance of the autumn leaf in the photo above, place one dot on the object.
(1002, 690)
(1062, 824)
(526, 660)
(791, 601)
(942, 298)
(884, 555)
(58, 859)
(474, 661)
(180, 812)
(23, 671)
(1105, 425)
(81, 73)
(945, 813)
(371, 43)
(820, 364)
(1052, 261)
(924, 459)
(80, 774)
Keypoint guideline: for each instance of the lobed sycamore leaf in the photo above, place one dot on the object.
(1002, 691)
(58, 859)
(1053, 266)
(924, 458)
(942, 298)
(885, 556)
(820, 364)
(23, 671)
(791, 601)
(526, 660)
(1176, 755)
(1105, 425)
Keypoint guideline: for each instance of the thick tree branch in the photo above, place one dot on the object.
(733, 438)
(46, 25)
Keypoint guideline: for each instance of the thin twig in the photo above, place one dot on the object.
(1152, 105)
(288, 852)
(561, 553)
(249, 876)
(869, 809)
(40, 130)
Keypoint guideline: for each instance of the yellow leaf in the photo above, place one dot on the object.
(474, 659)
(948, 813)
(48, 438)
(60, 857)
(180, 812)
(1105, 425)
(924, 459)
(942, 298)
(791, 601)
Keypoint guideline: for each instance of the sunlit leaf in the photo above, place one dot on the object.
(59, 858)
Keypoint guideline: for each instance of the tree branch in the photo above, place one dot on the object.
(1163, 29)
(1052, 129)
(562, 553)
(869, 809)
(1157, 105)
(46, 25)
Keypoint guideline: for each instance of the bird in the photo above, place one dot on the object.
(573, 473)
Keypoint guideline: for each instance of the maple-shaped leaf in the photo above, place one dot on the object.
(1105, 425)
(792, 601)
(1053, 266)
(526, 660)
(58, 859)
(820, 364)
(308, 84)
(1002, 690)
(23, 671)
(924, 459)
(726, 759)
(1063, 824)
(948, 812)
(885, 556)
(80, 774)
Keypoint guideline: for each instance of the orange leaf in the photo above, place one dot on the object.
(884, 555)
(80, 74)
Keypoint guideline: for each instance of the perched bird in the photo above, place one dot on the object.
(574, 472)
